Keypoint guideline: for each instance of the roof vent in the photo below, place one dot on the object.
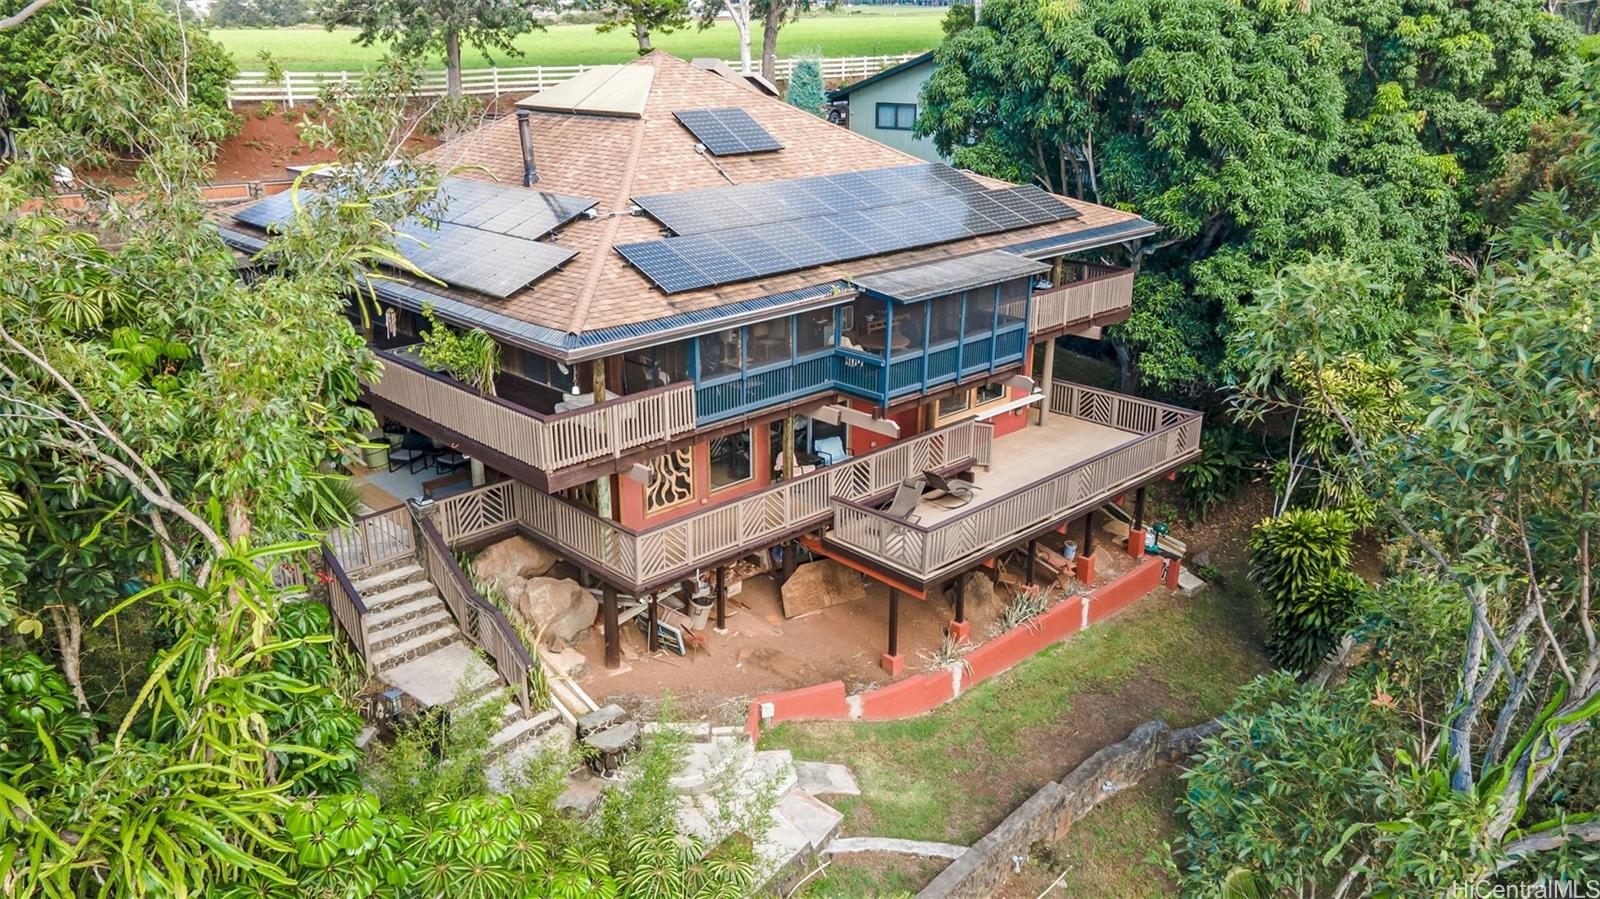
(530, 173)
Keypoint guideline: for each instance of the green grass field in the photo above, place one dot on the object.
(861, 32)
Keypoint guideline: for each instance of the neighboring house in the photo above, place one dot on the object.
(884, 106)
(728, 326)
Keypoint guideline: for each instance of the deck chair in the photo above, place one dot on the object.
(906, 497)
(959, 492)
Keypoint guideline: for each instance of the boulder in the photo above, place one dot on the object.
(557, 608)
(513, 558)
(818, 585)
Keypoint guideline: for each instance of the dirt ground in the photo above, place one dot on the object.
(269, 141)
(764, 653)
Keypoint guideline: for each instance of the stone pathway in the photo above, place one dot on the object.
(845, 845)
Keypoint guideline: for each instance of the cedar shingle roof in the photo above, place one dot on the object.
(612, 158)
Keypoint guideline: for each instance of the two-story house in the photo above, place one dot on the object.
(727, 326)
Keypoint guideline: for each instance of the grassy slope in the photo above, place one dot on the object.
(952, 775)
(866, 32)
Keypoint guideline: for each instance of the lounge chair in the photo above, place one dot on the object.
(906, 497)
(958, 490)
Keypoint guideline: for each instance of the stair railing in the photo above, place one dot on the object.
(483, 623)
(345, 602)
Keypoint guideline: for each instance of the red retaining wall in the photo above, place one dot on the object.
(922, 693)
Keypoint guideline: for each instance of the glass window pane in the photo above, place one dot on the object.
(988, 393)
(814, 331)
(955, 402)
(865, 326)
(719, 353)
(730, 460)
(769, 342)
(906, 116)
(907, 335)
(980, 312)
(944, 324)
(1013, 302)
(885, 115)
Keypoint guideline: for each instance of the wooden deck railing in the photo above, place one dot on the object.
(346, 606)
(1099, 290)
(484, 624)
(925, 552)
(547, 442)
(372, 540)
(647, 558)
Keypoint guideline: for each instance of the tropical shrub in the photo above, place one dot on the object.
(1226, 462)
(472, 358)
(1300, 560)
(805, 89)
(38, 718)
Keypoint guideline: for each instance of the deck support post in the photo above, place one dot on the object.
(892, 661)
(1088, 534)
(722, 599)
(1136, 534)
(608, 602)
(959, 629)
(655, 637)
(790, 559)
(1084, 567)
(1047, 377)
(1033, 554)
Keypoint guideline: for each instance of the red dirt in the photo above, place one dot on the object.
(268, 141)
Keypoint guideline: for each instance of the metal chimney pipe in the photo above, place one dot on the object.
(530, 172)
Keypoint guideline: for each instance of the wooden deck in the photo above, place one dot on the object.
(1025, 456)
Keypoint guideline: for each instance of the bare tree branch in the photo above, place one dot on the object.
(1544, 841)
(23, 15)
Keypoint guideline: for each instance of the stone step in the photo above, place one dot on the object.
(400, 611)
(375, 581)
(813, 817)
(502, 770)
(521, 730)
(400, 631)
(705, 763)
(415, 646)
(394, 595)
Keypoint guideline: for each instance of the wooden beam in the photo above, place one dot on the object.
(722, 598)
(892, 583)
(608, 602)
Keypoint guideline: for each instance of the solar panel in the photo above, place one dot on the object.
(486, 242)
(710, 258)
(743, 205)
(727, 131)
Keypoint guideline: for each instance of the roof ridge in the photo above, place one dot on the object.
(620, 203)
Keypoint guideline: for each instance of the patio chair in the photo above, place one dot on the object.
(958, 490)
(906, 497)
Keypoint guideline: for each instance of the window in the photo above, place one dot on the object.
(906, 337)
(980, 312)
(955, 402)
(944, 323)
(537, 368)
(655, 366)
(769, 343)
(719, 354)
(865, 326)
(730, 460)
(896, 116)
(1013, 302)
(813, 331)
(989, 393)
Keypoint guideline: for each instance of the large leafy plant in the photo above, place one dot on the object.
(1300, 560)
(471, 357)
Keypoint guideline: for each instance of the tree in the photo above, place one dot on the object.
(258, 13)
(31, 50)
(434, 26)
(774, 13)
(739, 12)
(644, 17)
(1337, 129)
(1300, 561)
(805, 89)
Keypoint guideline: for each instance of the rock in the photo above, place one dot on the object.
(568, 663)
(1202, 559)
(558, 609)
(512, 559)
(818, 585)
(980, 593)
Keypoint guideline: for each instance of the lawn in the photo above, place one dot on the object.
(952, 775)
(872, 31)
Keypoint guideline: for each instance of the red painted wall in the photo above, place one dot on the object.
(632, 493)
(865, 441)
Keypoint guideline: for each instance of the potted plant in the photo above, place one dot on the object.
(473, 358)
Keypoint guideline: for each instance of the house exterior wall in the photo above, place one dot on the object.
(901, 87)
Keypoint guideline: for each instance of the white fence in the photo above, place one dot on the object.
(304, 87)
